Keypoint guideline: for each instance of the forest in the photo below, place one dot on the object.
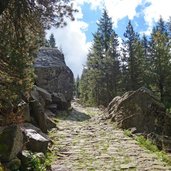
(115, 67)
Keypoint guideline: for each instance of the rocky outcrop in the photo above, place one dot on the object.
(11, 142)
(142, 111)
(53, 75)
(35, 140)
(138, 109)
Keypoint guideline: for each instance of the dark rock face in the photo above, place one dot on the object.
(11, 142)
(37, 113)
(52, 73)
(139, 109)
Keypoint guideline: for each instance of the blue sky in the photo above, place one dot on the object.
(75, 39)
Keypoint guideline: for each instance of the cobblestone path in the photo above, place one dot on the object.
(83, 143)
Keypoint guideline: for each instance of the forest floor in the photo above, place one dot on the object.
(83, 142)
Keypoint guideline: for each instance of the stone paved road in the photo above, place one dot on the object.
(83, 143)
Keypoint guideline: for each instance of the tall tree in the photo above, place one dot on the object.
(103, 64)
(133, 58)
(52, 42)
(160, 59)
(77, 85)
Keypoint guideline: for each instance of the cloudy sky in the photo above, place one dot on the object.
(75, 39)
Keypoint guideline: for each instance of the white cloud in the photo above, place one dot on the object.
(117, 9)
(72, 40)
(155, 10)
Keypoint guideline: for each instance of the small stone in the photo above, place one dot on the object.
(127, 166)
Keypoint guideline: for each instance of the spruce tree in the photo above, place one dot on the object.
(102, 64)
(160, 60)
(52, 42)
(133, 59)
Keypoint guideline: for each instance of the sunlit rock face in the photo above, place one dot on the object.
(53, 74)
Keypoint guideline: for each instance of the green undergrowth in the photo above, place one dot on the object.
(147, 144)
(37, 163)
(163, 156)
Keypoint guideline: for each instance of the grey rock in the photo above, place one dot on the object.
(139, 109)
(41, 95)
(50, 123)
(59, 99)
(35, 139)
(37, 112)
(11, 142)
(52, 73)
(53, 108)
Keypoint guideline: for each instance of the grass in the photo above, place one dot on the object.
(147, 144)
(163, 156)
(127, 133)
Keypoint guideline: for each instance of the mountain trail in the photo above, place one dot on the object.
(84, 143)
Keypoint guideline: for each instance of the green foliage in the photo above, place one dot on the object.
(76, 87)
(147, 144)
(51, 41)
(163, 156)
(160, 65)
(20, 39)
(140, 62)
(127, 133)
(35, 163)
(133, 60)
(21, 34)
(98, 84)
(49, 12)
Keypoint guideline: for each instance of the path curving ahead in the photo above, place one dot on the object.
(83, 143)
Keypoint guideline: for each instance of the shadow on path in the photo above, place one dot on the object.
(73, 115)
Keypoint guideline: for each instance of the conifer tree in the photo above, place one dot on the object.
(77, 85)
(52, 42)
(102, 64)
(133, 58)
(160, 59)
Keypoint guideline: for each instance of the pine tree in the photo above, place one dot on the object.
(160, 59)
(52, 42)
(102, 64)
(77, 85)
(133, 59)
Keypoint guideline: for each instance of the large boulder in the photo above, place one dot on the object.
(138, 109)
(52, 73)
(11, 142)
